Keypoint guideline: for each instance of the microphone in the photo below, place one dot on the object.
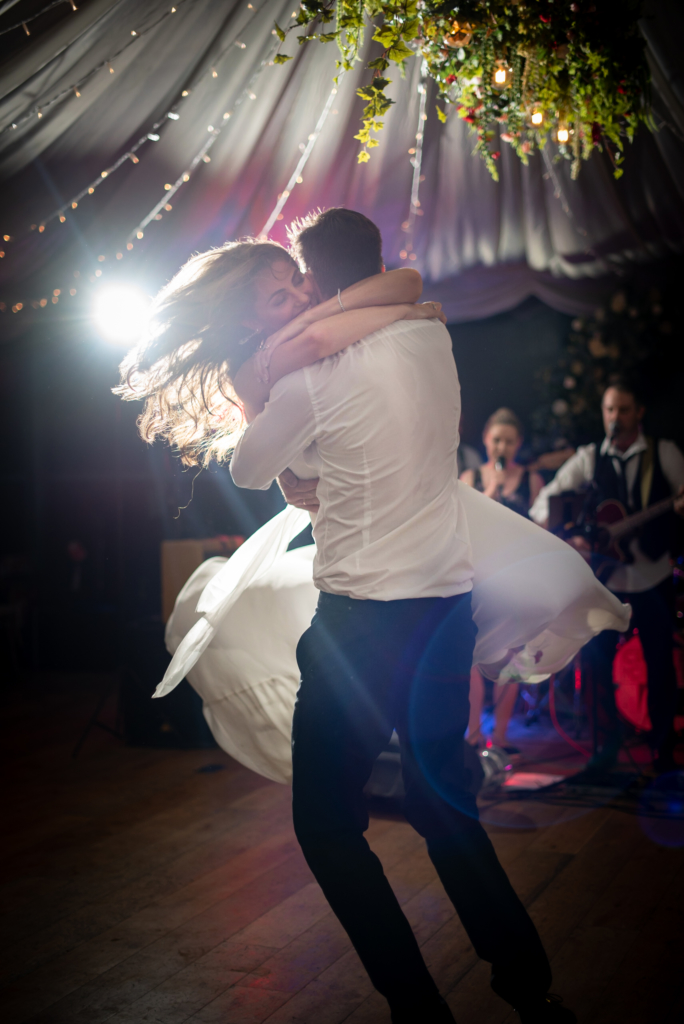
(500, 464)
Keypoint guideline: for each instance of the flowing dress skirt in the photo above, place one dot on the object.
(236, 623)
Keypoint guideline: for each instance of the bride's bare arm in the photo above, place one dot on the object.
(386, 289)
(319, 340)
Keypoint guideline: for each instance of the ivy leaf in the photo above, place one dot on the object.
(380, 63)
(399, 52)
(411, 29)
(328, 37)
(441, 115)
(305, 39)
(279, 32)
(373, 8)
(372, 142)
(363, 157)
(385, 35)
(281, 58)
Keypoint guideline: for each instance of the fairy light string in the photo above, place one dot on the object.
(202, 154)
(408, 226)
(151, 135)
(169, 191)
(296, 176)
(32, 17)
(40, 109)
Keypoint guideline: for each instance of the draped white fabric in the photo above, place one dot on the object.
(535, 603)
(482, 246)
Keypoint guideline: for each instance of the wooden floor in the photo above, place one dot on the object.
(138, 888)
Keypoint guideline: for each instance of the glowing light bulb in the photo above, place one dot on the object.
(120, 314)
(537, 117)
(563, 134)
(500, 76)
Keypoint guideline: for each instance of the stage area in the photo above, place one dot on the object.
(166, 886)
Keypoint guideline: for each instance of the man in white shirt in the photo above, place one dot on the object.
(392, 640)
(638, 472)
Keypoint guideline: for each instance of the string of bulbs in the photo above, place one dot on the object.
(170, 189)
(39, 110)
(416, 154)
(149, 136)
(32, 17)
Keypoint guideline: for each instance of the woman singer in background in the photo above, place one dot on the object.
(506, 481)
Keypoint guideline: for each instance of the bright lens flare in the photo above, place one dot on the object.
(121, 313)
(537, 117)
(563, 134)
(500, 76)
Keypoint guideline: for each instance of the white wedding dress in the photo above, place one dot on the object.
(236, 623)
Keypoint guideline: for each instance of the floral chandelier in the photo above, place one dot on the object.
(522, 72)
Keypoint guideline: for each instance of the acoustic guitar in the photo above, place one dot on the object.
(614, 528)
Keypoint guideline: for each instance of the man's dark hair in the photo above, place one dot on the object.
(627, 386)
(338, 246)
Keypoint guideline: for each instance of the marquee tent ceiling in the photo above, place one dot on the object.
(482, 246)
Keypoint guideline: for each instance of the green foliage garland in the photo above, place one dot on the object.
(632, 337)
(573, 72)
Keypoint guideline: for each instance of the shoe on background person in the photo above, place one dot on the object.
(550, 1010)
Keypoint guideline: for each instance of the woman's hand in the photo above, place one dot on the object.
(496, 483)
(425, 311)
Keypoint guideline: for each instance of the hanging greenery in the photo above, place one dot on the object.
(521, 72)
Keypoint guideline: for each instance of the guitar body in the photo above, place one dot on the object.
(608, 514)
(611, 531)
(609, 553)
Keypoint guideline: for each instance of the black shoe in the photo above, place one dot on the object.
(549, 1011)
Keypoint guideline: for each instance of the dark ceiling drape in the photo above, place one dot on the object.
(482, 246)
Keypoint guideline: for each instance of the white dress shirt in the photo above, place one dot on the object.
(378, 424)
(578, 472)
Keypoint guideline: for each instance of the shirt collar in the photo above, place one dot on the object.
(607, 448)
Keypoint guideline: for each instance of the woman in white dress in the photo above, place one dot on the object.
(237, 623)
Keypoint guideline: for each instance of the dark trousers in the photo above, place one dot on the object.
(652, 616)
(368, 667)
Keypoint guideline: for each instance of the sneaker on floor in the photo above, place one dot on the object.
(550, 1011)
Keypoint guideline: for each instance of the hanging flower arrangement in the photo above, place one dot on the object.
(521, 72)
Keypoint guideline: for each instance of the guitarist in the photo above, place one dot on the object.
(637, 471)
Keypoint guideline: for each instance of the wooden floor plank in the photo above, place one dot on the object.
(330, 998)
(171, 952)
(138, 890)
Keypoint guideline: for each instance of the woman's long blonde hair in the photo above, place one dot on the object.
(195, 343)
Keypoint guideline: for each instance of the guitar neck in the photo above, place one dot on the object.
(633, 522)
